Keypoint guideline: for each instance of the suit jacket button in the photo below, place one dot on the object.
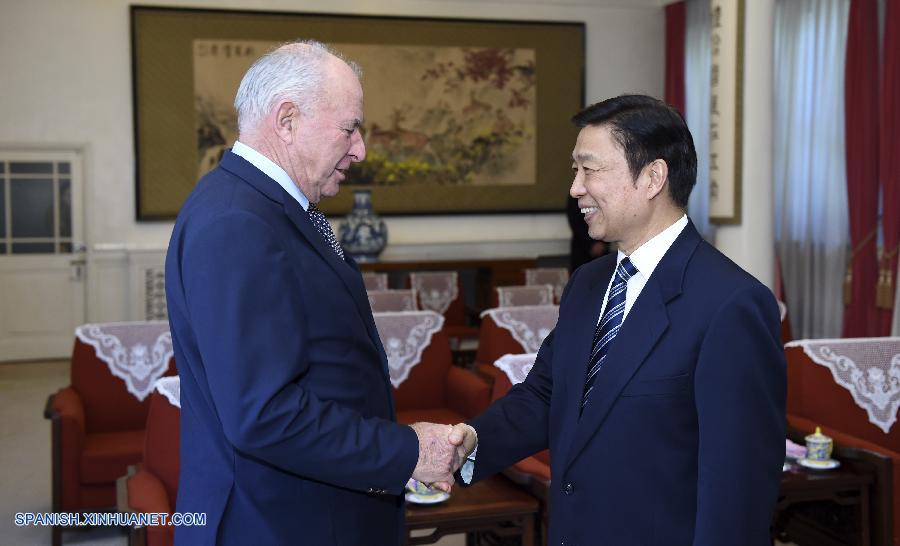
(568, 489)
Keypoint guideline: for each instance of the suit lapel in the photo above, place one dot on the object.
(347, 271)
(646, 322)
(586, 312)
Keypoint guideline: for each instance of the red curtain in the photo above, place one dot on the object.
(675, 31)
(889, 156)
(861, 132)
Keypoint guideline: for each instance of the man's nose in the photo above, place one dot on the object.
(358, 147)
(577, 189)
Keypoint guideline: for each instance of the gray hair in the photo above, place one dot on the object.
(292, 71)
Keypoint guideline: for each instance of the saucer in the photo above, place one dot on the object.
(827, 464)
(415, 498)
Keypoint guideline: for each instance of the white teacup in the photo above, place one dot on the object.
(818, 446)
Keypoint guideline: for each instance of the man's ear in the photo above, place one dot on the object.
(286, 115)
(658, 174)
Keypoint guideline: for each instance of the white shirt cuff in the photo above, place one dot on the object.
(468, 467)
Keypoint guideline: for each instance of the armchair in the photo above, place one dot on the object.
(815, 398)
(439, 291)
(512, 330)
(511, 296)
(97, 422)
(153, 487)
(532, 473)
(434, 390)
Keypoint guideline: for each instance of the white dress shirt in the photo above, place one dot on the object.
(271, 170)
(645, 259)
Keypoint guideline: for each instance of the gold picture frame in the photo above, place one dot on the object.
(531, 65)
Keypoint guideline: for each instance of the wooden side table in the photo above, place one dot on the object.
(848, 505)
(846, 486)
(496, 505)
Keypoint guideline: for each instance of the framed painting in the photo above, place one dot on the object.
(461, 116)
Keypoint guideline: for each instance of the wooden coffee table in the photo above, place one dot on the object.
(496, 505)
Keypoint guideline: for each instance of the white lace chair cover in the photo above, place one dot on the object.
(867, 367)
(393, 300)
(138, 353)
(782, 309)
(516, 367)
(405, 335)
(436, 289)
(557, 277)
(375, 281)
(514, 296)
(170, 387)
(528, 324)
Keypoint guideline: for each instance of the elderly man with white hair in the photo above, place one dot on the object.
(288, 433)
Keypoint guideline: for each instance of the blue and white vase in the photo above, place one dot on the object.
(363, 233)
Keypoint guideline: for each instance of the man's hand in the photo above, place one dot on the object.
(438, 458)
(465, 439)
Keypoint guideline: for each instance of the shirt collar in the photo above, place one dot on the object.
(272, 170)
(649, 254)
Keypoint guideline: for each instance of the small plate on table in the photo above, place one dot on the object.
(415, 498)
(827, 464)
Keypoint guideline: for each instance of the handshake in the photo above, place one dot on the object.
(442, 451)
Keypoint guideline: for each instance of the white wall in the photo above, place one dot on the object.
(65, 78)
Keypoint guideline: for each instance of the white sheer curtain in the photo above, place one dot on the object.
(811, 221)
(696, 76)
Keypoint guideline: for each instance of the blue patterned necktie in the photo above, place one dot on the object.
(318, 219)
(609, 325)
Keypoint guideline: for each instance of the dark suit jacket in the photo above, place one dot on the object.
(683, 439)
(287, 432)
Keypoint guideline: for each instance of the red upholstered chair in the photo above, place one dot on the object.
(511, 296)
(153, 487)
(494, 342)
(438, 392)
(532, 472)
(428, 285)
(815, 399)
(375, 281)
(554, 276)
(393, 300)
(97, 432)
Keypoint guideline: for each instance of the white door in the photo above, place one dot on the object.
(42, 262)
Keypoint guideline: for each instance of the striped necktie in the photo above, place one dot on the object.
(609, 325)
(318, 219)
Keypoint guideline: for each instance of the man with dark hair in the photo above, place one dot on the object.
(661, 392)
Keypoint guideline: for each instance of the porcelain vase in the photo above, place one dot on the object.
(363, 233)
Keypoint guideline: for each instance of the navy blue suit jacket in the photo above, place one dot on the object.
(287, 417)
(683, 439)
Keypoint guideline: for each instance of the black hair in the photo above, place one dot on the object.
(648, 129)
